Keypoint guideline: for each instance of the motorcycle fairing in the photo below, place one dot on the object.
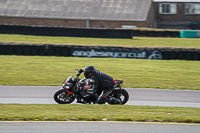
(88, 85)
(118, 83)
(68, 83)
(70, 79)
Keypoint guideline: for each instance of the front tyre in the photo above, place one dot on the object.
(122, 95)
(62, 97)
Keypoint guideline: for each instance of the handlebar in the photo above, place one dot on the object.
(79, 72)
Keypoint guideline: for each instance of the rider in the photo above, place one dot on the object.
(103, 82)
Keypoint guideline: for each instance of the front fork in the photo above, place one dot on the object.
(67, 92)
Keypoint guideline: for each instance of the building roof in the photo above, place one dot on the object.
(176, 0)
(126, 10)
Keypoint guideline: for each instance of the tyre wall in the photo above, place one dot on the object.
(83, 32)
(70, 32)
(190, 34)
(143, 33)
(100, 52)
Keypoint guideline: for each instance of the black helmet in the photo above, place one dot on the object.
(89, 71)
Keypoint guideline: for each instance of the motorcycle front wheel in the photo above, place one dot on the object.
(62, 97)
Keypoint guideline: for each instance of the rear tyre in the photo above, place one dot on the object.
(122, 95)
(62, 97)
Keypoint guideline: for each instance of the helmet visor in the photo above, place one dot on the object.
(88, 74)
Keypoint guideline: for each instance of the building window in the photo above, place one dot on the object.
(167, 8)
(192, 8)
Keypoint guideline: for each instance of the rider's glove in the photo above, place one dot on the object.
(80, 70)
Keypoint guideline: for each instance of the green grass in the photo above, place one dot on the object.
(142, 73)
(38, 112)
(43, 70)
(135, 42)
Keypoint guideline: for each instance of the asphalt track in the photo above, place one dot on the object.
(96, 127)
(138, 96)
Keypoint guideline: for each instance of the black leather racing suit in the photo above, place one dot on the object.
(102, 82)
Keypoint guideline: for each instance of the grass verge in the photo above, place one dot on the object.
(135, 42)
(136, 73)
(38, 112)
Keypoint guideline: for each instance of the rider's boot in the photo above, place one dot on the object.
(83, 102)
(96, 96)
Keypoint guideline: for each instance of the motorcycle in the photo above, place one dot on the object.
(75, 88)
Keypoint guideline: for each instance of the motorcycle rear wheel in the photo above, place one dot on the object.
(122, 95)
(62, 97)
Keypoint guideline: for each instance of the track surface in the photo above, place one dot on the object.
(152, 97)
(138, 96)
(95, 127)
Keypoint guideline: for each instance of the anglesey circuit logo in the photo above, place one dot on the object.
(93, 53)
(138, 54)
(155, 55)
